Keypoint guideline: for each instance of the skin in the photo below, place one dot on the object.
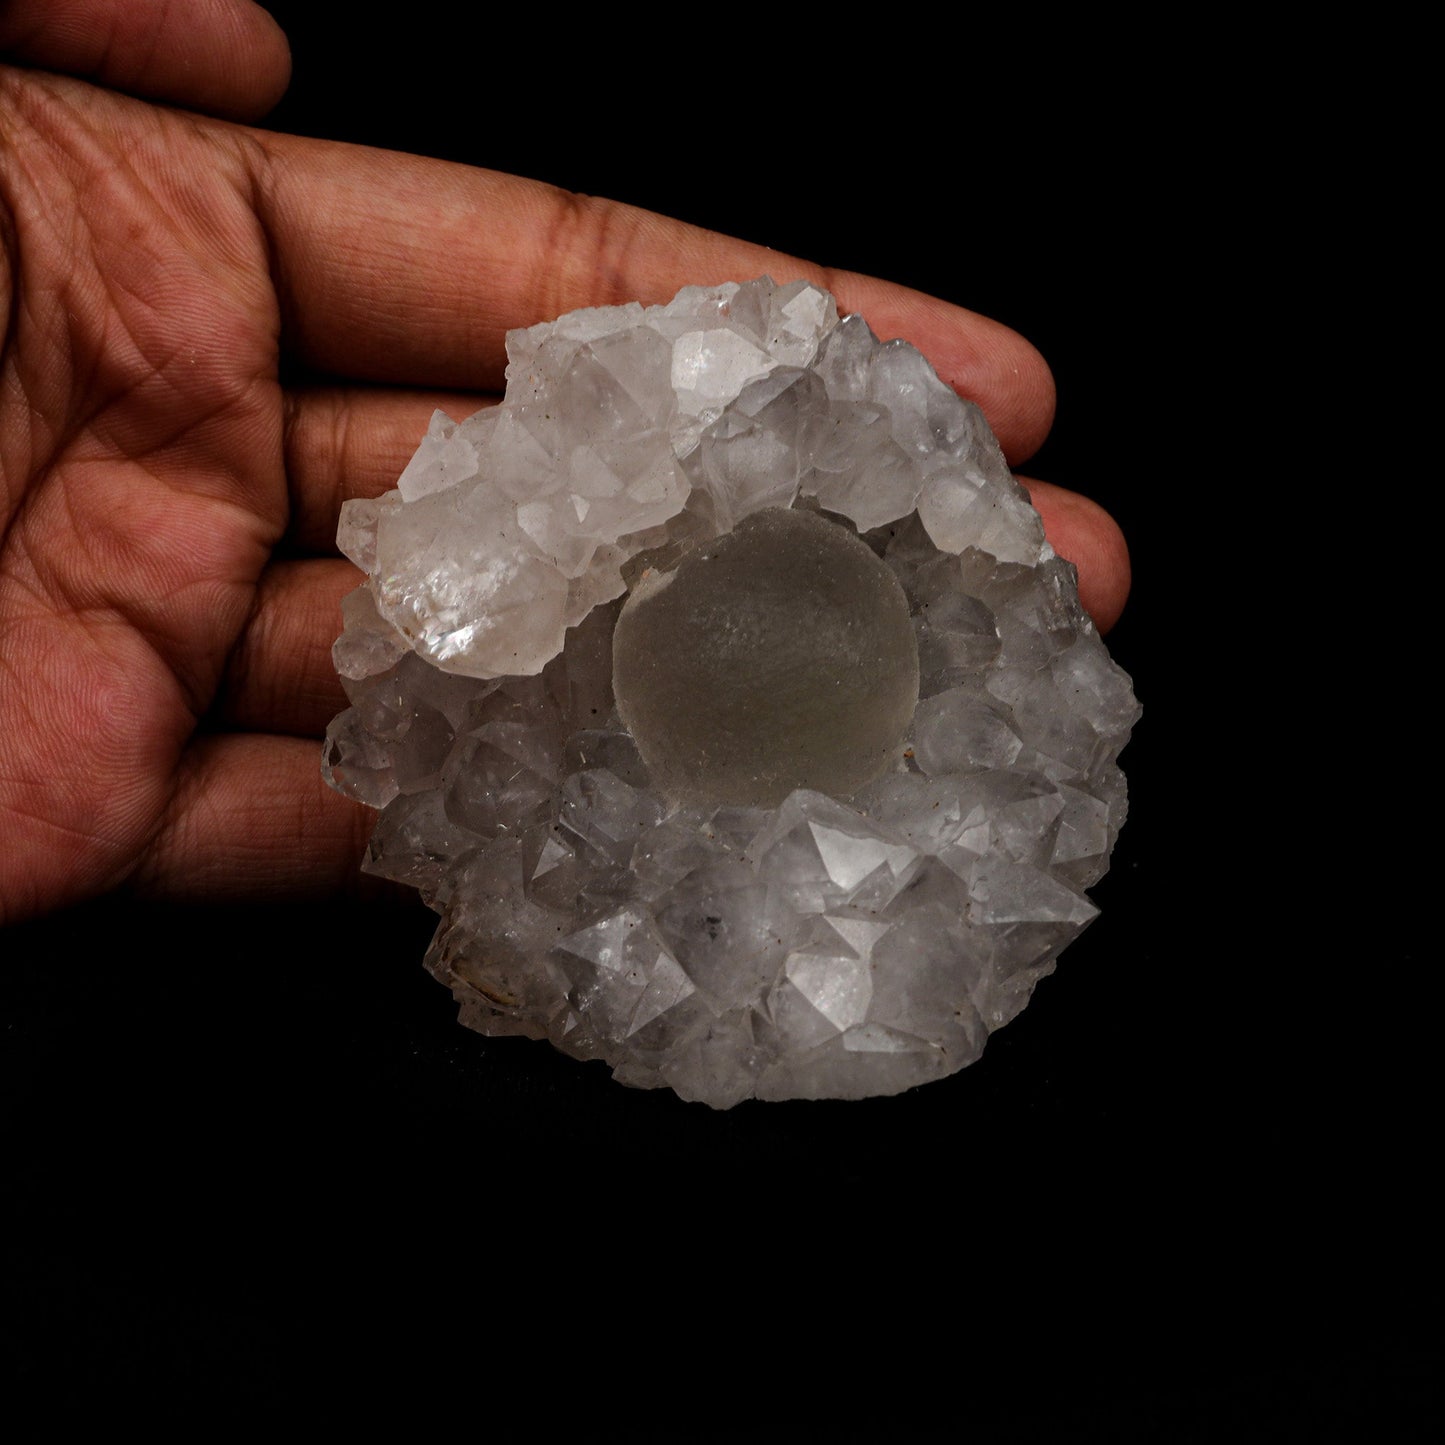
(169, 586)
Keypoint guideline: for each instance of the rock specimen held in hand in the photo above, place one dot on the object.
(721, 693)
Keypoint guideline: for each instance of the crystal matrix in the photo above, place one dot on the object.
(844, 816)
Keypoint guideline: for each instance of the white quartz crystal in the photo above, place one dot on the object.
(854, 914)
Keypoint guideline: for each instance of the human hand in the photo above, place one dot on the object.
(169, 587)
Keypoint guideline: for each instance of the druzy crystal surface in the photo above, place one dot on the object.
(720, 692)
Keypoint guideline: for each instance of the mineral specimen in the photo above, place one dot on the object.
(720, 691)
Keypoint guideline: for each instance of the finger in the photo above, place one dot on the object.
(1082, 532)
(279, 677)
(224, 57)
(397, 268)
(251, 819)
(349, 441)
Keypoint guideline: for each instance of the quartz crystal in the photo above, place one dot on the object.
(720, 692)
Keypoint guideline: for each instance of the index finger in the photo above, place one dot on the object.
(402, 269)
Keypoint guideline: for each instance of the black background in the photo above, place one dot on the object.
(252, 1157)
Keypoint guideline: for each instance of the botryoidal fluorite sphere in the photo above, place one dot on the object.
(720, 692)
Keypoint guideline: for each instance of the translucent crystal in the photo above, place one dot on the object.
(836, 816)
(781, 656)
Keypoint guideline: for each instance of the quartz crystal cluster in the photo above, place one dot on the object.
(720, 692)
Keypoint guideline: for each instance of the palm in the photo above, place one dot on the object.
(143, 495)
(166, 601)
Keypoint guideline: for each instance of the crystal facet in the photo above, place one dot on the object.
(721, 693)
